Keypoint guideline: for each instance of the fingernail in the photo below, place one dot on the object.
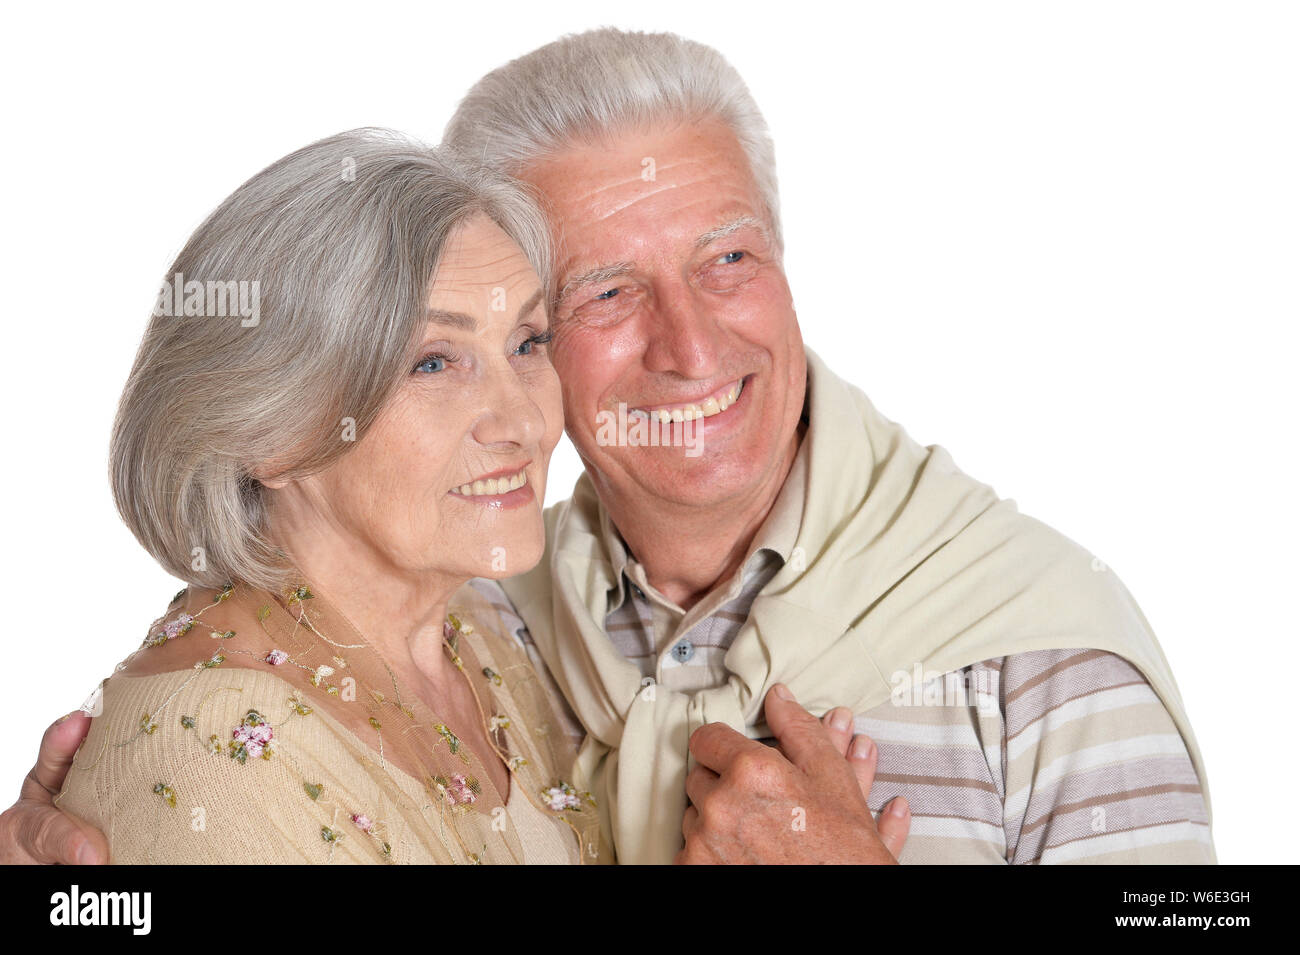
(86, 854)
(783, 692)
(898, 808)
(862, 748)
(841, 718)
(64, 719)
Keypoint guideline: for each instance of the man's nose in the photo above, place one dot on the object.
(683, 334)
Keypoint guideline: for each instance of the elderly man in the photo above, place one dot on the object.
(803, 547)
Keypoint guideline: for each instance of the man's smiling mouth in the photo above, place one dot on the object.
(714, 404)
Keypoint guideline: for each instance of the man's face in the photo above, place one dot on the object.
(672, 302)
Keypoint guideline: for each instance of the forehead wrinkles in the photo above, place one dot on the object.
(612, 200)
(603, 213)
(498, 266)
(500, 271)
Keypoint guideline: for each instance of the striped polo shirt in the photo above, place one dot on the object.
(1049, 756)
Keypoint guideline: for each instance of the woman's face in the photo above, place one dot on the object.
(450, 479)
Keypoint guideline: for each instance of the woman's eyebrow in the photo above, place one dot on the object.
(532, 302)
(438, 316)
(469, 323)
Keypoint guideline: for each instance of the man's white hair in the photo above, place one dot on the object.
(589, 84)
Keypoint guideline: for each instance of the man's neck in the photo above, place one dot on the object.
(686, 551)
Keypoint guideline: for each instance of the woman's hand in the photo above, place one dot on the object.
(803, 803)
(32, 830)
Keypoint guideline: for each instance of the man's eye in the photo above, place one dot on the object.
(431, 363)
(606, 295)
(731, 257)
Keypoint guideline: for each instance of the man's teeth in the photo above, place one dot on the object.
(705, 409)
(492, 486)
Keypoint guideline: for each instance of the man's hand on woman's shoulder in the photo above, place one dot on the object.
(32, 830)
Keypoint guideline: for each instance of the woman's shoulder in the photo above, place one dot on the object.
(177, 768)
(216, 693)
(191, 633)
(221, 765)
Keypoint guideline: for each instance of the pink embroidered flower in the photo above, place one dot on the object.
(174, 628)
(276, 657)
(561, 797)
(362, 822)
(254, 733)
(460, 791)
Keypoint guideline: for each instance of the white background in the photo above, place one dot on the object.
(1060, 239)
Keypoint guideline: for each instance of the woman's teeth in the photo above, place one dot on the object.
(487, 487)
(705, 409)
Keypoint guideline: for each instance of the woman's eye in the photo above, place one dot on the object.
(431, 363)
(526, 346)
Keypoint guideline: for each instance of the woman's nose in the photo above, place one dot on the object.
(508, 414)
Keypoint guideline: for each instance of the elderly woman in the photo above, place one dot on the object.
(326, 464)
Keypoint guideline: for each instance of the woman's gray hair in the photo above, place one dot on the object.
(587, 84)
(330, 253)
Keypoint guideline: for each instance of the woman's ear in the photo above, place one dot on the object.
(271, 476)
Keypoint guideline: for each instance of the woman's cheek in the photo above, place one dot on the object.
(543, 384)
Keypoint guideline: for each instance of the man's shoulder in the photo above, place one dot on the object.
(1095, 768)
(1033, 683)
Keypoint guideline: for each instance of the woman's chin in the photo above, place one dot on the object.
(506, 560)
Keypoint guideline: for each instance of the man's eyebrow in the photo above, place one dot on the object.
(728, 228)
(469, 323)
(601, 273)
(604, 273)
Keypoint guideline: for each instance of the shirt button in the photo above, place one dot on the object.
(683, 651)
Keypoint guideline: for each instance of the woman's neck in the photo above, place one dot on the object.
(399, 614)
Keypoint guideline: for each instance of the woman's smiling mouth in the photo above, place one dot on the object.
(493, 485)
(500, 490)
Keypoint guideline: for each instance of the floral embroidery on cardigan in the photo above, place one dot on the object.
(459, 791)
(252, 737)
(562, 797)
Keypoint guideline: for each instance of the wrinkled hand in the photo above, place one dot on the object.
(32, 831)
(804, 803)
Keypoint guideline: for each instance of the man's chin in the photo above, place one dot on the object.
(701, 481)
